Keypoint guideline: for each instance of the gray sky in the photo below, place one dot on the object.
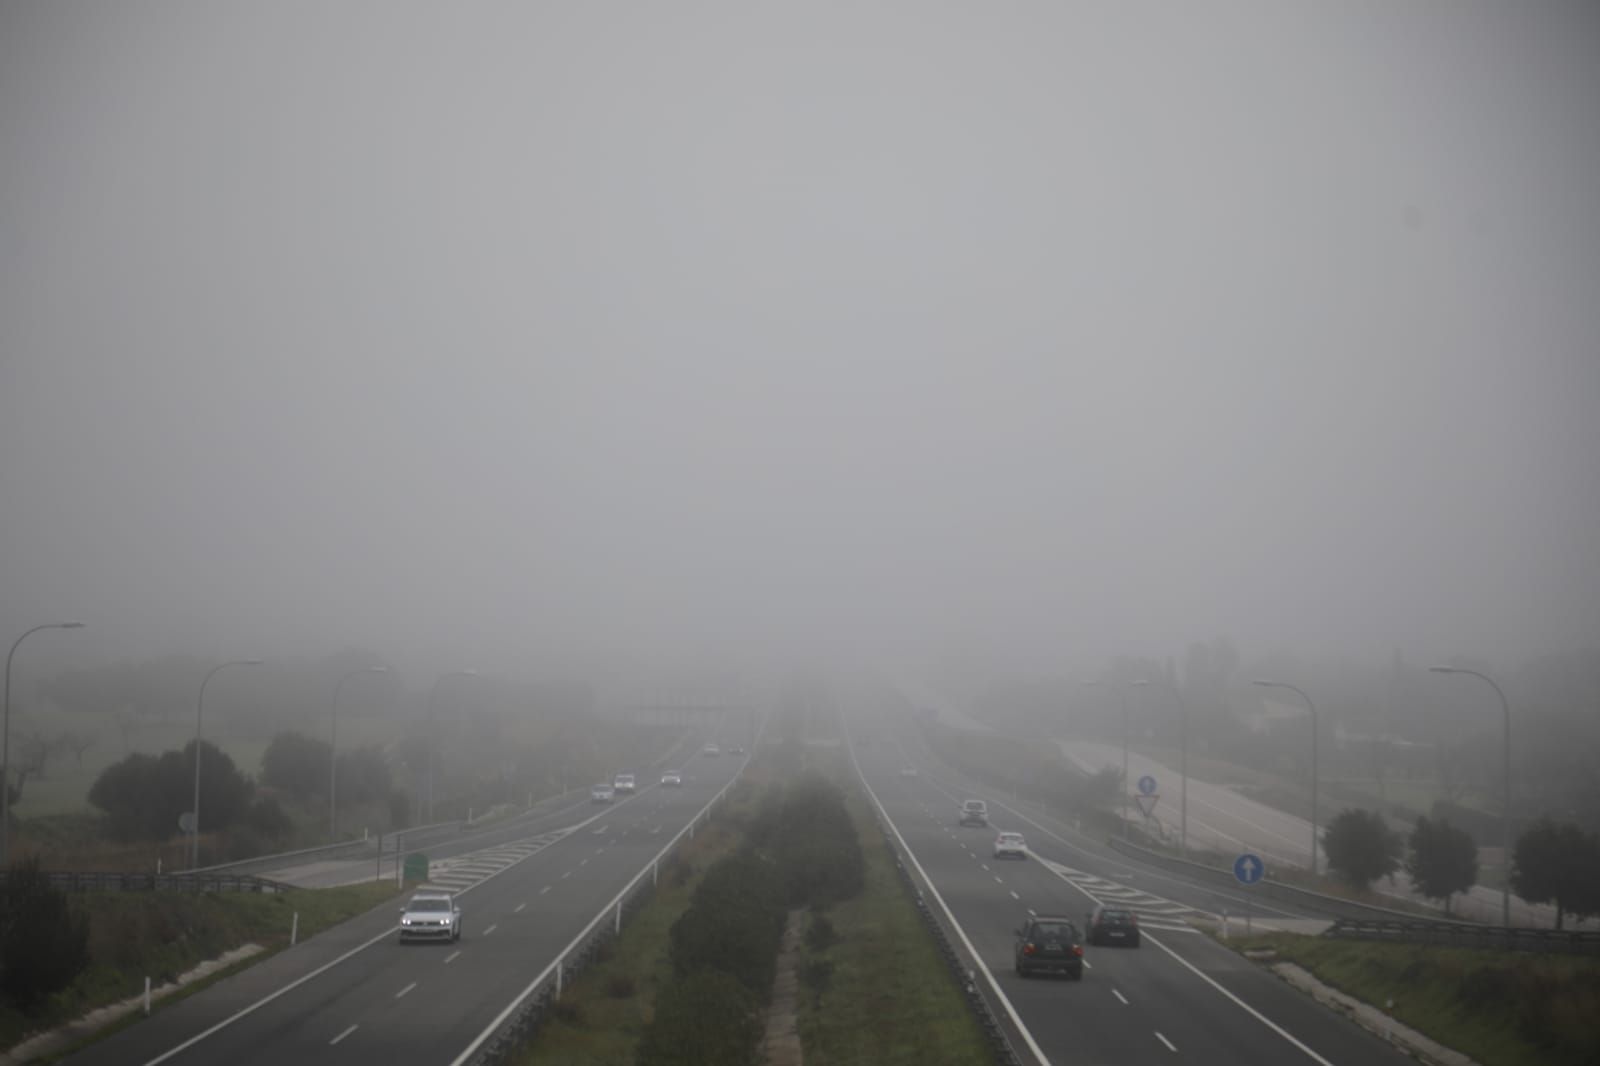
(532, 333)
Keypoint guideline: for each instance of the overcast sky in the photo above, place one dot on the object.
(531, 333)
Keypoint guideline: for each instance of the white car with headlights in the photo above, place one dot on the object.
(623, 783)
(672, 778)
(430, 915)
(1010, 845)
(602, 793)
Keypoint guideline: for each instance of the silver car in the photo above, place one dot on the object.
(430, 916)
(672, 777)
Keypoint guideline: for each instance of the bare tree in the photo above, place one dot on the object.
(31, 754)
(77, 743)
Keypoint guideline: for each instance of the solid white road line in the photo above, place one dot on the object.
(1247, 1008)
(1165, 1041)
(452, 957)
(1120, 996)
(342, 1035)
(406, 989)
(489, 930)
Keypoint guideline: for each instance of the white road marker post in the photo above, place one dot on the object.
(294, 929)
(147, 995)
(560, 965)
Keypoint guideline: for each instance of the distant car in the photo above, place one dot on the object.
(1010, 844)
(975, 812)
(1112, 925)
(430, 915)
(672, 778)
(623, 783)
(1048, 944)
(908, 771)
(735, 751)
(712, 749)
(602, 793)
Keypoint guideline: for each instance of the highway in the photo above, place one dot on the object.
(1179, 997)
(354, 994)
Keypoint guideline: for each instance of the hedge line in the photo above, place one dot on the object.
(801, 850)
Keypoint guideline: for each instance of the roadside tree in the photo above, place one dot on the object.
(43, 945)
(1360, 847)
(1443, 860)
(1558, 863)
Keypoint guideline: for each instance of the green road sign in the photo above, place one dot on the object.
(416, 867)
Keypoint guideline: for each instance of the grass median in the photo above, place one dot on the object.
(164, 934)
(1501, 1008)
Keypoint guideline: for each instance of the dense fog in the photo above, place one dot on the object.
(543, 338)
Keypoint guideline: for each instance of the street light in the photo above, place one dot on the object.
(1505, 899)
(199, 718)
(433, 733)
(5, 742)
(1183, 765)
(1312, 708)
(333, 750)
(1124, 690)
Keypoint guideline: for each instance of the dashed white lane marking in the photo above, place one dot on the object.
(406, 989)
(1015, 896)
(583, 862)
(985, 866)
(489, 930)
(342, 1035)
(1120, 996)
(997, 879)
(654, 830)
(602, 829)
(1087, 965)
(566, 875)
(518, 908)
(452, 957)
(1032, 913)
(543, 890)
(1165, 1041)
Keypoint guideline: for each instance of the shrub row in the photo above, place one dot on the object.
(800, 850)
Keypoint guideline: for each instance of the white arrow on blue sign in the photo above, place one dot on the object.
(1248, 868)
(1147, 785)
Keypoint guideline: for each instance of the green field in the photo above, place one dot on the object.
(1500, 1008)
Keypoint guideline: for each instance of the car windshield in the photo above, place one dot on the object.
(1052, 931)
(1115, 916)
(430, 905)
(1010, 838)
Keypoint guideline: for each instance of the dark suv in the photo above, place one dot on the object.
(1113, 925)
(974, 812)
(1048, 944)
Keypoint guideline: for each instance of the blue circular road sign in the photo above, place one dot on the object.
(1248, 868)
(1147, 785)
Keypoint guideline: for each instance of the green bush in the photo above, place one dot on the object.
(43, 945)
(706, 1019)
(819, 933)
(734, 923)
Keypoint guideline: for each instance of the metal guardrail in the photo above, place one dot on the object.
(993, 1032)
(120, 881)
(1468, 935)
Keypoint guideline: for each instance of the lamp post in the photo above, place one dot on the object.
(433, 733)
(199, 718)
(1505, 899)
(1183, 765)
(333, 749)
(5, 742)
(1313, 709)
(1124, 691)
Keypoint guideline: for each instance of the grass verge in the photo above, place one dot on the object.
(605, 1009)
(162, 935)
(1500, 1008)
(880, 992)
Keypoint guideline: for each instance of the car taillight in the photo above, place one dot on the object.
(1027, 949)
(1077, 949)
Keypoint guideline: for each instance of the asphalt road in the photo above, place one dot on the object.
(1178, 997)
(355, 995)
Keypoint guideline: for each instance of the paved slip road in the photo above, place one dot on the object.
(1179, 997)
(423, 1003)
